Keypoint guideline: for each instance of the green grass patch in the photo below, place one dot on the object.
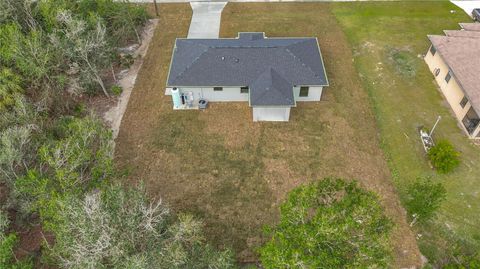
(388, 40)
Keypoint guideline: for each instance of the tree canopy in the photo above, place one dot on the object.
(331, 223)
(118, 227)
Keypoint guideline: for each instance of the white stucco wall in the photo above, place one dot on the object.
(233, 94)
(227, 94)
(314, 94)
(271, 113)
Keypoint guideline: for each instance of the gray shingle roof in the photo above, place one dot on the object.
(270, 88)
(243, 61)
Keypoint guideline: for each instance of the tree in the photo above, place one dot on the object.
(120, 228)
(7, 244)
(329, 224)
(424, 199)
(78, 159)
(37, 61)
(444, 157)
(86, 48)
(122, 19)
(21, 12)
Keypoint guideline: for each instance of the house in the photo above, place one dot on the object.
(271, 74)
(454, 60)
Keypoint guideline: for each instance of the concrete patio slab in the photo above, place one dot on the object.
(205, 19)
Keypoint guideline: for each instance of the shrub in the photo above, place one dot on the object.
(444, 157)
(424, 199)
(15, 148)
(9, 88)
(329, 224)
(7, 243)
(116, 90)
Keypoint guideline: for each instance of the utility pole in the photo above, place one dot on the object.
(156, 8)
(435, 125)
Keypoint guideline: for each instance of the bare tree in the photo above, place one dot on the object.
(87, 49)
(120, 228)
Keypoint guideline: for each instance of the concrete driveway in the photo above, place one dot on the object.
(205, 19)
(467, 6)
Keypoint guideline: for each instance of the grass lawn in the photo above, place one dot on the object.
(234, 173)
(388, 40)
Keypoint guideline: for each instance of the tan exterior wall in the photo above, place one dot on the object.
(452, 91)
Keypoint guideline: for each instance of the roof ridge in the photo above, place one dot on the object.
(271, 71)
(298, 58)
(207, 48)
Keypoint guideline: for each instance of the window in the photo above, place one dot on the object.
(244, 90)
(303, 92)
(432, 50)
(436, 71)
(464, 102)
(218, 89)
(448, 77)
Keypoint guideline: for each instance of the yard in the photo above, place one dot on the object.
(233, 173)
(388, 40)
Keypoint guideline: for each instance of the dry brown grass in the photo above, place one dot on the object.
(234, 173)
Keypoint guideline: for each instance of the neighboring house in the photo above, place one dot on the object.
(454, 59)
(272, 74)
(470, 26)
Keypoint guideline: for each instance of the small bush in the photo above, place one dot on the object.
(80, 109)
(116, 90)
(424, 199)
(9, 88)
(7, 244)
(444, 157)
(126, 60)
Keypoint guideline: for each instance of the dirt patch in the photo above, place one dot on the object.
(280, 178)
(113, 116)
(232, 172)
(232, 123)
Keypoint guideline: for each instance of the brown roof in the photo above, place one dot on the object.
(462, 33)
(462, 55)
(470, 26)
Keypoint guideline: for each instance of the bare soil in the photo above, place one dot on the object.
(233, 173)
(113, 116)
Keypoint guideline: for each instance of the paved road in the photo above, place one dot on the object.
(205, 19)
(185, 1)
